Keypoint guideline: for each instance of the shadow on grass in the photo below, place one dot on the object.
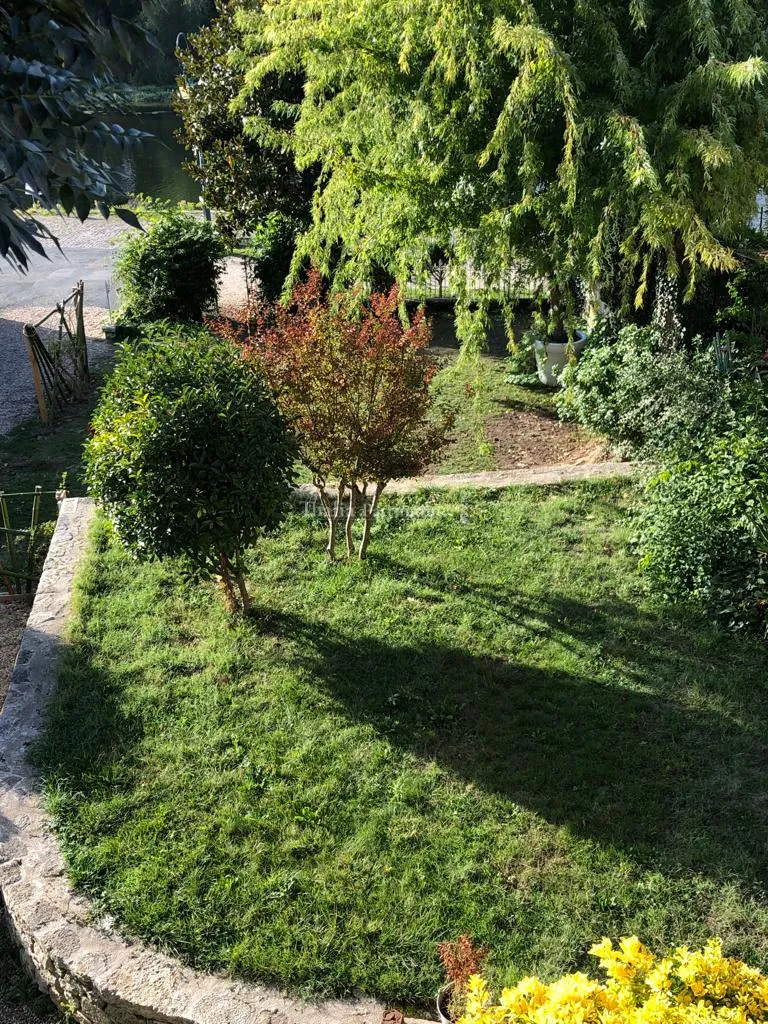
(678, 782)
(677, 787)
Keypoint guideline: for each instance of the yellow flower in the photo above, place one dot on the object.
(686, 987)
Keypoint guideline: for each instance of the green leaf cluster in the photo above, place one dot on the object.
(533, 140)
(240, 177)
(56, 58)
(189, 456)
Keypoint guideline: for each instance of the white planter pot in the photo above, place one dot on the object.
(442, 1003)
(552, 357)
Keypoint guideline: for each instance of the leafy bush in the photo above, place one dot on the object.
(702, 526)
(735, 301)
(647, 398)
(269, 252)
(684, 987)
(189, 454)
(354, 384)
(170, 271)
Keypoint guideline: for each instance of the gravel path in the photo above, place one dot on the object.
(88, 253)
(17, 393)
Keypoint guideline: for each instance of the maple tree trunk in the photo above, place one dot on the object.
(350, 520)
(370, 512)
(331, 514)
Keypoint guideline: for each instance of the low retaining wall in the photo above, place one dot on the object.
(99, 977)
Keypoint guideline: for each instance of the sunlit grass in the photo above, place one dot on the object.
(487, 728)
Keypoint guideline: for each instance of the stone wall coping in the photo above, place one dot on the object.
(86, 967)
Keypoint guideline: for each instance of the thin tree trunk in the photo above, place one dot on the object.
(331, 515)
(245, 597)
(350, 520)
(370, 512)
(225, 582)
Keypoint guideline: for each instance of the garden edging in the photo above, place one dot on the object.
(89, 970)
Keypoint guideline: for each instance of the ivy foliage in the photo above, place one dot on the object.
(55, 80)
(528, 138)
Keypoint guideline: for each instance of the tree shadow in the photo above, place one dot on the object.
(648, 748)
(676, 784)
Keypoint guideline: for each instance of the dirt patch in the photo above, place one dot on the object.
(13, 619)
(522, 438)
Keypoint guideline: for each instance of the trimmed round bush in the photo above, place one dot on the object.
(171, 271)
(189, 455)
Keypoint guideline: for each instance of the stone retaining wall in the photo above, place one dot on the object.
(88, 970)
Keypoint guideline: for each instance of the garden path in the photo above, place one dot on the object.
(536, 475)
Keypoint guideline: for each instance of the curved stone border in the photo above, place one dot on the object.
(99, 977)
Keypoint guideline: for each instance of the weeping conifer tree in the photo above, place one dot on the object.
(536, 138)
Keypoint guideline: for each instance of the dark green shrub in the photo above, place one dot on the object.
(702, 526)
(171, 271)
(647, 398)
(736, 301)
(269, 251)
(189, 455)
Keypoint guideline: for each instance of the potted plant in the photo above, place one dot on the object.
(461, 959)
(554, 344)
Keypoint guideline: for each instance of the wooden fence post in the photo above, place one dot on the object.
(82, 345)
(29, 333)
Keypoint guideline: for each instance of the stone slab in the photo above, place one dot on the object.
(497, 479)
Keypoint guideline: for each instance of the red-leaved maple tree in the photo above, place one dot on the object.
(354, 384)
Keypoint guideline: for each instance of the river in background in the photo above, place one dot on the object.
(156, 167)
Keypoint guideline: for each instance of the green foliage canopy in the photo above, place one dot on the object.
(189, 455)
(522, 135)
(242, 179)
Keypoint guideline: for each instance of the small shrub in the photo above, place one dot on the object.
(269, 252)
(354, 384)
(647, 398)
(702, 526)
(171, 271)
(461, 961)
(189, 454)
(684, 987)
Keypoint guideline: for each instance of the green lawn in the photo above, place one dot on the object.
(487, 728)
(32, 454)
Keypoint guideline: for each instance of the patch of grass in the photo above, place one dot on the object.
(476, 389)
(32, 454)
(150, 97)
(487, 728)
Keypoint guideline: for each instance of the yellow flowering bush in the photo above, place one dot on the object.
(685, 987)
